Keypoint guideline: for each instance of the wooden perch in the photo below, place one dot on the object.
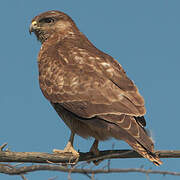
(37, 157)
(54, 161)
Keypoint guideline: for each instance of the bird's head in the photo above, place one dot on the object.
(52, 22)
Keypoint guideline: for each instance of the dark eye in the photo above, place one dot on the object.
(47, 20)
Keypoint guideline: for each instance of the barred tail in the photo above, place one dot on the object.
(145, 153)
(129, 129)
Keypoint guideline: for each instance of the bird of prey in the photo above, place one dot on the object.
(89, 89)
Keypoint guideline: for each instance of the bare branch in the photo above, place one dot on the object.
(55, 161)
(26, 169)
(53, 178)
(37, 157)
(3, 146)
(23, 177)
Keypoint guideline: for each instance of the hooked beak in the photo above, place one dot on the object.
(33, 27)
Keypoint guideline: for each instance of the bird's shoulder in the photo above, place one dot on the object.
(78, 60)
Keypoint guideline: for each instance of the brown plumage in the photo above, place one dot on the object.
(88, 88)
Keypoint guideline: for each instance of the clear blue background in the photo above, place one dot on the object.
(144, 36)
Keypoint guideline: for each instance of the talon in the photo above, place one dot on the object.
(69, 149)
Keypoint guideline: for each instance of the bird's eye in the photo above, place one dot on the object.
(47, 20)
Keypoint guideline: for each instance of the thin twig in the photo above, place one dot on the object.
(23, 177)
(33, 168)
(3, 146)
(53, 178)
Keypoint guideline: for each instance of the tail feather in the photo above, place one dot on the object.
(129, 130)
(145, 153)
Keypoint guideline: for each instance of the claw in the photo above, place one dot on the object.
(69, 149)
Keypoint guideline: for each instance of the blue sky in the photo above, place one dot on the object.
(144, 36)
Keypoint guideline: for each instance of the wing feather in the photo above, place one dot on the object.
(89, 82)
(87, 93)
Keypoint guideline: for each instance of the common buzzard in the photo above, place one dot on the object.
(89, 90)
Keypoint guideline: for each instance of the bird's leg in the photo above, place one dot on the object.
(94, 148)
(69, 147)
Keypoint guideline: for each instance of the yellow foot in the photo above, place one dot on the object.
(73, 151)
(68, 149)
